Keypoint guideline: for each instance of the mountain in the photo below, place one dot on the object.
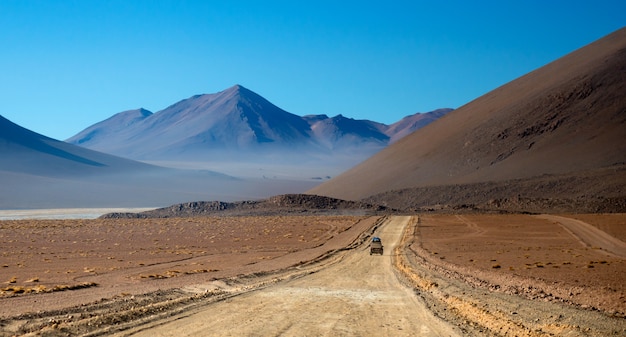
(339, 132)
(241, 127)
(40, 172)
(236, 118)
(411, 123)
(27, 152)
(564, 121)
(118, 123)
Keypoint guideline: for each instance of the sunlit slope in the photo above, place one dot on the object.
(567, 116)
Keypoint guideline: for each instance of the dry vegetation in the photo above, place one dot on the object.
(531, 256)
(39, 256)
(107, 269)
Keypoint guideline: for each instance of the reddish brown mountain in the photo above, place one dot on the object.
(566, 118)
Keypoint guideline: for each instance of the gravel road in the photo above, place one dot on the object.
(589, 235)
(358, 296)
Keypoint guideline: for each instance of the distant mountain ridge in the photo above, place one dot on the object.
(115, 123)
(409, 124)
(231, 145)
(40, 172)
(25, 151)
(234, 118)
(341, 132)
(237, 122)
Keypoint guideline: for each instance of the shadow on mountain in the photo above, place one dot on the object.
(40, 172)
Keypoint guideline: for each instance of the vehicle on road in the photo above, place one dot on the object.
(376, 246)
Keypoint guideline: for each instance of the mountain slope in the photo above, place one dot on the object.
(565, 117)
(118, 123)
(28, 152)
(339, 132)
(235, 118)
(41, 172)
(238, 125)
(411, 123)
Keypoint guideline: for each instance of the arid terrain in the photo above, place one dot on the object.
(480, 274)
(355, 296)
(557, 133)
(522, 253)
(44, 257)
(506, 217)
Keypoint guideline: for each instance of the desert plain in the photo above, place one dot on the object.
(48, 256)
(81, 277)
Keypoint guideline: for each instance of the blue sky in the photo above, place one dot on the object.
(65, 65)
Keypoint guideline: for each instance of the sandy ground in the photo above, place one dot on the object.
(107, 258)
(358, 296)
(486, 300)
(574, 261)
(500, 275)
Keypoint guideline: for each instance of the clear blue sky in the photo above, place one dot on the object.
(65, 65)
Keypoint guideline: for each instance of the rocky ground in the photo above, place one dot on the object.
(533, 275)
(497, 301)
(90, 274)
(594, 191)
(288, 204)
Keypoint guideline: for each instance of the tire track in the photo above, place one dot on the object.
(589, 235)
(360, 295)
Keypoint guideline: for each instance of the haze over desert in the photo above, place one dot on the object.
(225, 214)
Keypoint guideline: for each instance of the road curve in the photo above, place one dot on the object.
(590, 235)
(358, 296)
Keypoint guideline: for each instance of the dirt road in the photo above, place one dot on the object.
(358, 296)
(589, 235)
